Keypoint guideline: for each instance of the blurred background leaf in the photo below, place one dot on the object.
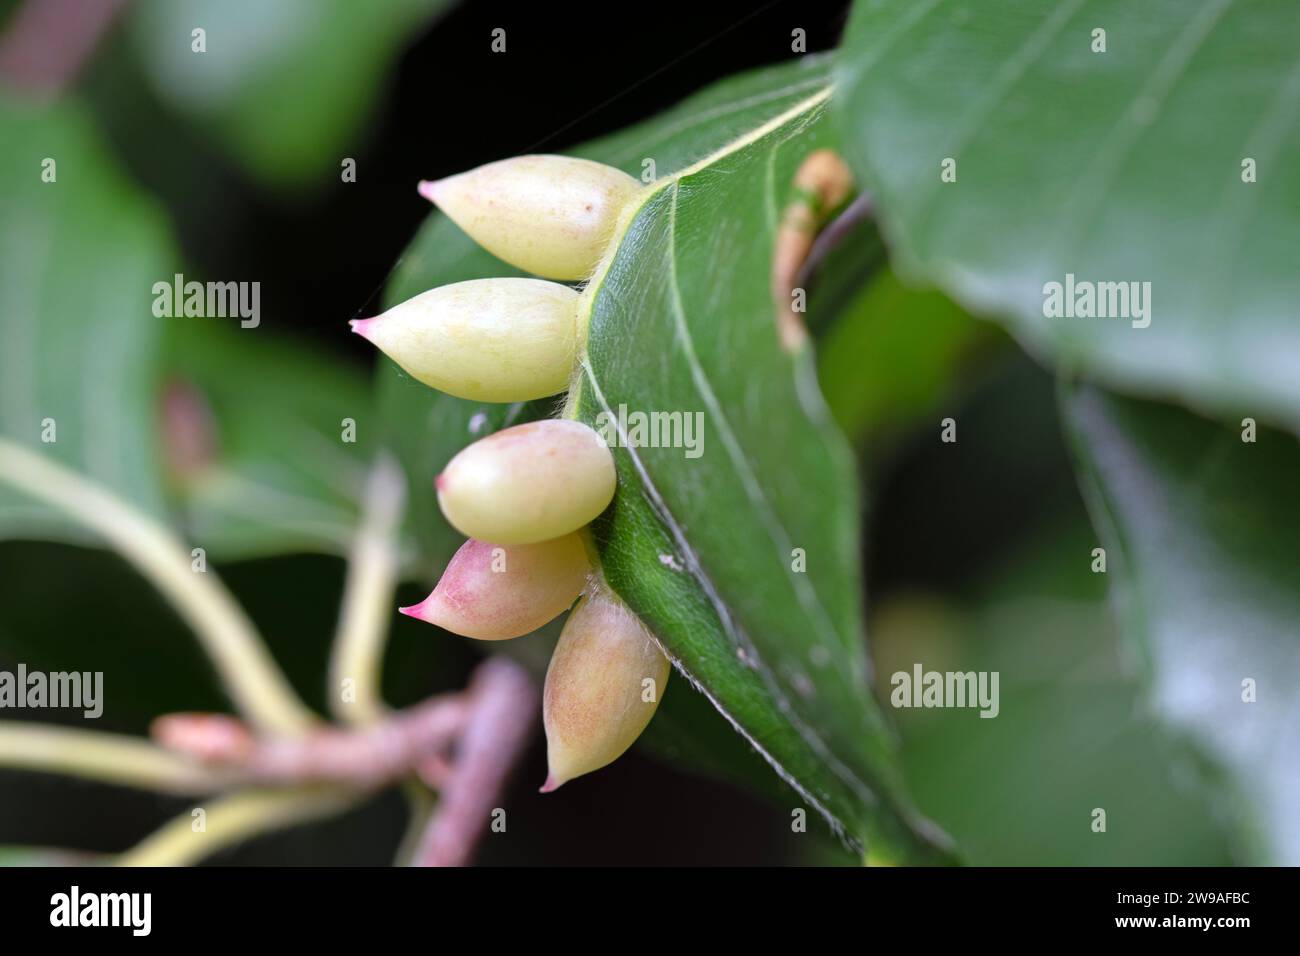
(982, 561)
(78, 260)
(267, 422)
(1100, 164)
(892, 355)
(285, 85)
(122, 388)
(1125, 165)
(1201, 529)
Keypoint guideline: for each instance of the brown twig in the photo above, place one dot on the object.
(503, 711)
(464, 745)
(365, 757)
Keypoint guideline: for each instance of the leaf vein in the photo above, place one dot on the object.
(1011, 72)
(1139, 117)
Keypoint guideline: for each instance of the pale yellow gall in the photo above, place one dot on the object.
(488, 340)
(550, 215)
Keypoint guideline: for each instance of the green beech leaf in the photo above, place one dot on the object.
(741, 553)
(1200, 530)
(78, 260)
(1120, 166)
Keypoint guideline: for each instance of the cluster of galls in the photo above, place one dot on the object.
(524, 495)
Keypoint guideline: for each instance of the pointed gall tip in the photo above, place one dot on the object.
(361, 327)
(428, 188)
(551, 784)
(415, 610)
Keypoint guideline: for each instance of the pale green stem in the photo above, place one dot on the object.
(421, 803)
(368, 598)
(232, 819)
(254, 682)
(363, 627)
(108, 758)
